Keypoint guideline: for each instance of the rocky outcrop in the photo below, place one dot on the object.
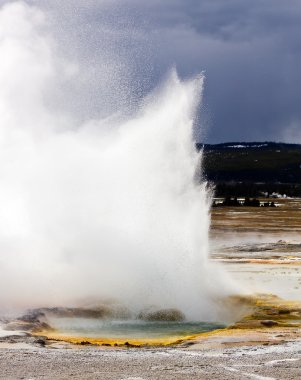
(162, 315)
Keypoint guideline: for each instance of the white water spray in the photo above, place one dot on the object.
(109, 209)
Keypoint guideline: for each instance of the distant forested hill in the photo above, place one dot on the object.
(257, 165)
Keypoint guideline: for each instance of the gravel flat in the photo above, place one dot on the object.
(249, 362)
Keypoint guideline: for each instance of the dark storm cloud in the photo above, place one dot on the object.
(250, 52)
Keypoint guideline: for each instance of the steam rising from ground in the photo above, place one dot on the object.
(106, 209)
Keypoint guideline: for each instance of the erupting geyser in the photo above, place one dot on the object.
(108, 209)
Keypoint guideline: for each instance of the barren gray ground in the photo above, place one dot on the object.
(256, 362)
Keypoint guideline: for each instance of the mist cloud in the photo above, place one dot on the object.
(97, 209)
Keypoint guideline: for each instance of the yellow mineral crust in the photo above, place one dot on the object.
(114, 342)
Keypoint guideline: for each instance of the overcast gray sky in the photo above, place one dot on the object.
(250, 51)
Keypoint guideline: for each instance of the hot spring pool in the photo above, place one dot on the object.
(128, 329)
